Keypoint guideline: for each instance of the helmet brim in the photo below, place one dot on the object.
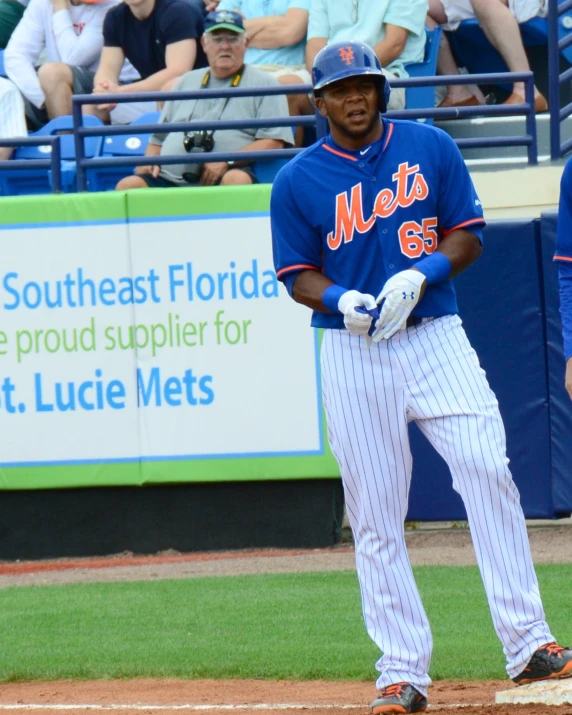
(344, 74)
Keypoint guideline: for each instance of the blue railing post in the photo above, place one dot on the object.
(553, 79)
(532, 149)
(56, 165)
(79, 146)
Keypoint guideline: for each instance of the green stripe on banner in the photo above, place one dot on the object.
(199, 200)
(60, 208)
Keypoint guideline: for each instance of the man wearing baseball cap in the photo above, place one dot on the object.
(224, 42)
(70, 33)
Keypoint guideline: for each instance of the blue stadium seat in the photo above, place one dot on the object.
(423, 97)
(266, 170)
(38, 181)
(105, 179)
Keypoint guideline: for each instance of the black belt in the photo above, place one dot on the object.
(415, 320)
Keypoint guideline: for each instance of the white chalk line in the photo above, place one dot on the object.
(200, 707)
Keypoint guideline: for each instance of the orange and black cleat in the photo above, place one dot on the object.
(399, 698)
(550, 661)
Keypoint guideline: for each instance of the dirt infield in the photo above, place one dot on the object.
(168, 697)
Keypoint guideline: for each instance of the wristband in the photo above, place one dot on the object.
(331, 297)
(436, 268)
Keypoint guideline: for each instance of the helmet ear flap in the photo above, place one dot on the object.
(384, 92)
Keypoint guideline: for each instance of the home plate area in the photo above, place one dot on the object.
(318, 698)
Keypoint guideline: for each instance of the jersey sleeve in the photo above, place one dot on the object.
(564, 230)
(296, 246)
(458, 203)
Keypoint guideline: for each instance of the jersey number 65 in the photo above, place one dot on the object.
(416, 239)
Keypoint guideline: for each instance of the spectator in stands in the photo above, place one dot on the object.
(276, 31)
(11, 12)
(12, 118)
(394, 28)
(69, 31)
(225, 44)
(499, 21)
(160, 38)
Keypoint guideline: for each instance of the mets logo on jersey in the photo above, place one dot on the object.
(347, 55)
(410, 187)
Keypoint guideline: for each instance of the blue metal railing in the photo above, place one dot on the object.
(528, 140)
(556, 79)
(53, 162)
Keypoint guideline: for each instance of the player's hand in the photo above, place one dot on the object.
(568, 379)
(400, 295)
(356, 322)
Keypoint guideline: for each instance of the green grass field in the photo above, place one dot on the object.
(299, 626)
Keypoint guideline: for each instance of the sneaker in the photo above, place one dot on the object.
(399, 698)
(550, 661)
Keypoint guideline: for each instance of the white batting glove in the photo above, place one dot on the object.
(400, 295)
(357, 323)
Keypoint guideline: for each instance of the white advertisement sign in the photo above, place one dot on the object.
(153, 339)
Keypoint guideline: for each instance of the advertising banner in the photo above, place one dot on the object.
(155, 346)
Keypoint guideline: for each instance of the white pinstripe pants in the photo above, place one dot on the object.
(429, 374)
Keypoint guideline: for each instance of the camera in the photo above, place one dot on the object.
(198, 141)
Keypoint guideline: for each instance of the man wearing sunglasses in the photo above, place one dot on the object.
(224, 43)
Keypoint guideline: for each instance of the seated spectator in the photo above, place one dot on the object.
(11, 12)
(12, 118)
(499, 21)
(69, 31)
(394, 28)
(159, 38)
(276, 31)
(224, 43)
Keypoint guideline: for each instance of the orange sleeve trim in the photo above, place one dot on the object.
(299, 267)
(338, 153)
(471, 222)
(389, 133)
(562, 258)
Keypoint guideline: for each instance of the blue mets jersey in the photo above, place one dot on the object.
(563, 256)
(359, 217)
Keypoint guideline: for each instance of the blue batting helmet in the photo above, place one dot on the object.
(348, 59)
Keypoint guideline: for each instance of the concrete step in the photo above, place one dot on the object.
(503, 157)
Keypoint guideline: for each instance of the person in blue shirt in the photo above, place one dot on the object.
(563, 257)
(394, 28)
(369, 225)
(276, 31)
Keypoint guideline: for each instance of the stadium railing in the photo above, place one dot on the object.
(528, 140)
(555, 78)
(53, 162)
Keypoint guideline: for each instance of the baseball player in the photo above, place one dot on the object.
(564, 258)
(368, 227)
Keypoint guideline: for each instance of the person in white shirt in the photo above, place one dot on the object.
(70, 32)
(12, 121)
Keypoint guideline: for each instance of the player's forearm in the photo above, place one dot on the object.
(462, 248)
(309, 288)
